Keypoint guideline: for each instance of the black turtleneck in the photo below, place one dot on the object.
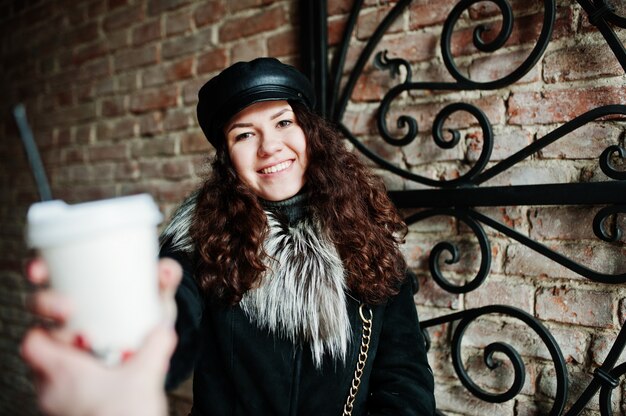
(292, 210)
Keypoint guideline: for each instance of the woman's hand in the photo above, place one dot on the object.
(71, 382)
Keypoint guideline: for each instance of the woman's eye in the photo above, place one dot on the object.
(284, 123)
(242, 136)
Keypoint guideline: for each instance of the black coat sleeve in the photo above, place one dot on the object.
(401, 382)
(190, 308)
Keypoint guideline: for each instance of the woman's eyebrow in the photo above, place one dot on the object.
(280, 113)
(235, 125)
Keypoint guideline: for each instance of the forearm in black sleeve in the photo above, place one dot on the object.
(402, 382)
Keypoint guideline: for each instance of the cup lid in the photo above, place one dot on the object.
(54, 222)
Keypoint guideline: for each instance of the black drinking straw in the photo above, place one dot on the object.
(32, 153)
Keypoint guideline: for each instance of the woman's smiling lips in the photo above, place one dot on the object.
(276, 168)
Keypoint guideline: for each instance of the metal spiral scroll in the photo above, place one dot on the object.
(600, 223)
(393, 66)
(498, 42)
(607, 166)
(472, 315)
(446, 247)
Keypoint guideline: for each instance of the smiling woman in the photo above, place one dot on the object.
(294, 299)
(267, 148)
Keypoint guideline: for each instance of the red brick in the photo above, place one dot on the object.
(336, 28)
(563, 223)
(517, 294)
(427, 13)
(74, 155)
(236, 6)
(116, 130)
(95, 9)
(143, 101)
(506, 142)
(194, 142)
(154, 147)
(112, 107)
(137, 57)
(146, 32)
(114, 4)
(457, 399)
(370, 20)
(247, 49)
(430, 294)
(189, 44)
(89, 52)
(178, 168)
(176, 120)
(176, 23)
(558, 106)
(211, 61)
(151, 124)
(83, 34)
(128, 170)
(97, 68)
(285, 43)
(190, 91)
(415, 47)
(156, 7)
(122, 18)
(483, 9)
(209, 12)
(176, 191)
(496, 67)
(600, 347)
(582, 62)
(373, 85)
(576, 306)
(586, 142)
(167, 73)
(112, 152)
(264, 21)
(339, 7)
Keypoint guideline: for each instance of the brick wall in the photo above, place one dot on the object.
(110, 89)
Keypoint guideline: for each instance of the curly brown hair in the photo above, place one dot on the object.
(229, 224)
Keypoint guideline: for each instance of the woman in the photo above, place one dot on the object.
(293, 299)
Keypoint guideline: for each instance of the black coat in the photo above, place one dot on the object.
(240, 369)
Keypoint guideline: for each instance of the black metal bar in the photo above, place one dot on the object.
(340, 57)
(596, 383)
(596, 193)
(315, 49)
(549, 138)
(599, 13)
(365, 55)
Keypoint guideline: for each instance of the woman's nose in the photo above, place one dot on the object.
(269, 144)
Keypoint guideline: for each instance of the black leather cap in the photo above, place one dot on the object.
(245, 83)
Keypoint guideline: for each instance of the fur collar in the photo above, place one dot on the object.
(302, 297)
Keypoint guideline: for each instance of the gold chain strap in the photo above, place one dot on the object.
(360, 365)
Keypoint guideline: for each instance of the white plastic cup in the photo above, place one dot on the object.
(103, 256)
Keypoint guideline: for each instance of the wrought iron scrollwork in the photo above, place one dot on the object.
(459, 197)
(469, 316)
(453, 251)
(607, 166)
(613, 232)
(496, 43)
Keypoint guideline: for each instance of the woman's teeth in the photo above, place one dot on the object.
(277, 168)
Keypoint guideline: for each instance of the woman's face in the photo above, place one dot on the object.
(267, 148)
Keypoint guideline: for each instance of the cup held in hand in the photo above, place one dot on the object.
(103, 256)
